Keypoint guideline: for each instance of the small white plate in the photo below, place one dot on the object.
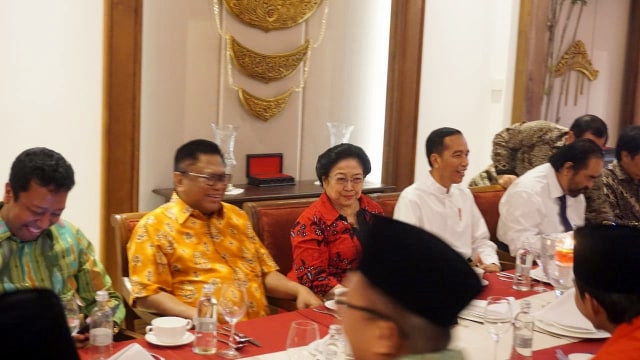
(331, 304)
(187, 338)
(598, 334)
(484, 282)
(580, 356)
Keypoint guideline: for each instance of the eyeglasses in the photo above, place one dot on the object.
(375, 313)
(343, 180)
(213, 179)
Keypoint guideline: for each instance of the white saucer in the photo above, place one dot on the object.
(188, 337)
(331, 304)
(484, 282)
(580, 356)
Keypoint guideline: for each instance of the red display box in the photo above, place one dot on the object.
(266, 170)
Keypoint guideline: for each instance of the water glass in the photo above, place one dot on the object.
(301, 341)
(497, 318)
(233, 305)
(72, 313)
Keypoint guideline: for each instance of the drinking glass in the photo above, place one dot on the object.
(233, 304)
(72, 312)
(497, 318)
(560, 275)
(302, 333)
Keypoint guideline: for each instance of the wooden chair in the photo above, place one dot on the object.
(123, 225)
(387, 201)
(487, 198)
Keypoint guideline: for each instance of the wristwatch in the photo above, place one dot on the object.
(116, 328)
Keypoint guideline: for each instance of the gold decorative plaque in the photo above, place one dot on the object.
(576, 58)
(266, 67)
(263, 109)
(272, 14)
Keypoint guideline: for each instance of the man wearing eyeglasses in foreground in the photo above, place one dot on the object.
(406, 295)
(441, 205)
(196, 239)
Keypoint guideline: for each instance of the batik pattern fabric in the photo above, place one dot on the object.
(61, 259)
(521, 147)
(325, 245)
(622, 195)
(177, 249)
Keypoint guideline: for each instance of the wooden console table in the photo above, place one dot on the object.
(301, 189)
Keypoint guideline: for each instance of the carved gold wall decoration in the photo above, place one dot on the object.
(263, 109)
(266, 67)
(576, 58)
(272, 14)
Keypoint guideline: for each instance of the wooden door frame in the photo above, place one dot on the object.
(123, 51)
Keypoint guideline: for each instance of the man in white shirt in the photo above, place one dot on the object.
(549, 198)
(440, 205)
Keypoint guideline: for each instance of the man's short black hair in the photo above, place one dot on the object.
(578, 152)
(435, 140)
(192, 150)
(589, 124)
(629, 141)
(45, 167)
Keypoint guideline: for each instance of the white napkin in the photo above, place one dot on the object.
(564, 312)
(132, 352)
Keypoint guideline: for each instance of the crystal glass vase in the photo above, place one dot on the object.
(225, 137)
(339, 133)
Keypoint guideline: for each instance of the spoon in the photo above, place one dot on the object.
(239, 345)
(328, 313)
(237, 338)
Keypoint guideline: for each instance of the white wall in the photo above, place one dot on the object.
(51, 93)
(185, 86)
(468, 62)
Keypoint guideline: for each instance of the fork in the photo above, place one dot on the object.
(328, 313)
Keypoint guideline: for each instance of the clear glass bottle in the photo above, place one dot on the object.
(523, 333)
(522, 277)
(334, 347)
(206, 323)
(101, 328)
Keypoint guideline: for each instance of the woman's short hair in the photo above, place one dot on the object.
(328, 159)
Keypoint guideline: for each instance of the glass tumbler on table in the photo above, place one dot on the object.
(233, 305)
(497, 319)
(72, 312)
(302, 334)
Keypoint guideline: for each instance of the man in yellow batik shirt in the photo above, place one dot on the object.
(196, 239)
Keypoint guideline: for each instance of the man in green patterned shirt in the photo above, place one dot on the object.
(38, 248)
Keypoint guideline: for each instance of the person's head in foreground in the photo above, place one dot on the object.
(36, 193)
(407, 294)
(606, 264)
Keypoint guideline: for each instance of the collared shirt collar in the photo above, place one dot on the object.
(182, 211)
(435, 186)
(555, 190)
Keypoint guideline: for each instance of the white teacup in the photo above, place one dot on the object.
(479, 271)
(169, 329)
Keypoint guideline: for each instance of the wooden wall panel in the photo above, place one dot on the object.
(403, 92)
(122, 47)
(630, 111)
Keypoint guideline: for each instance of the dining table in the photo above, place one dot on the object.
(469, 336)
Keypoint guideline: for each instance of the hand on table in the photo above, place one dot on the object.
(306, 298)
(490, 267)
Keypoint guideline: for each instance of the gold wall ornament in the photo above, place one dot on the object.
(272, 14)
(266, 67)
(263, 109)
(576, 58)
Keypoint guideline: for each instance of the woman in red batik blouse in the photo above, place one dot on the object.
(325, 236)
